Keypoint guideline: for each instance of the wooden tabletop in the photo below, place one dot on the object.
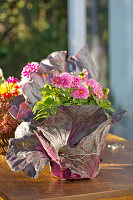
(115, 180)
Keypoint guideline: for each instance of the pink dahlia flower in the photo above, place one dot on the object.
(76, 82)
(91, 82)
(30, 67)
(97, 88)
(12, 79)
(81, 92)
(66, 80)
(56, 80)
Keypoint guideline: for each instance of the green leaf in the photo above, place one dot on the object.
(101, 102)
(40, 116)
(76, 101)
(110, 109)
(96, 100)
(108, 116)
(48, 101)
(92, 102)
(67, 104)
(83, 101)
(46, 93)
(67, 94)
(43, 110)
(37, 107)
(45, 89)
(104, 105)
(107, 102)
(90, 90)
(53, 108)
(57, 99)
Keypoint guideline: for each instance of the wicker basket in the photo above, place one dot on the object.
(4, 139)
(7, 124)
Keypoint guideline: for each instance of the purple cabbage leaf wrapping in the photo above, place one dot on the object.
(25, 152)
(55, 61)
(84, 158)
(71, 141)
(82, 60)
(74, 139)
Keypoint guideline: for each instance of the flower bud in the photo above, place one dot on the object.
(1, 73)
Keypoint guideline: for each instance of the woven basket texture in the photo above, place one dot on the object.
(4, 140)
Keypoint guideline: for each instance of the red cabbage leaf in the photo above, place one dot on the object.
(24, 154)
(55, 61)
(82, 60)
(74, 139)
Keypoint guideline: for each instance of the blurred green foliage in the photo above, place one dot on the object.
(29, 31)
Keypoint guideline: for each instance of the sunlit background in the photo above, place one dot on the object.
(30, 30)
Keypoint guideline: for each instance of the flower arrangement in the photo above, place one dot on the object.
(65, 118)
(68, 89)
(8, 89)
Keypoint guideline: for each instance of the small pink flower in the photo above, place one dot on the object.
(66, 80)
(76, 82)
(56, 80)
(81, 92)
(97, 88)
(83, 75)
(12, 79)
(30, 67)
(90, 82)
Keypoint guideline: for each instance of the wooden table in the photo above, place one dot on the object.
(115, 180)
